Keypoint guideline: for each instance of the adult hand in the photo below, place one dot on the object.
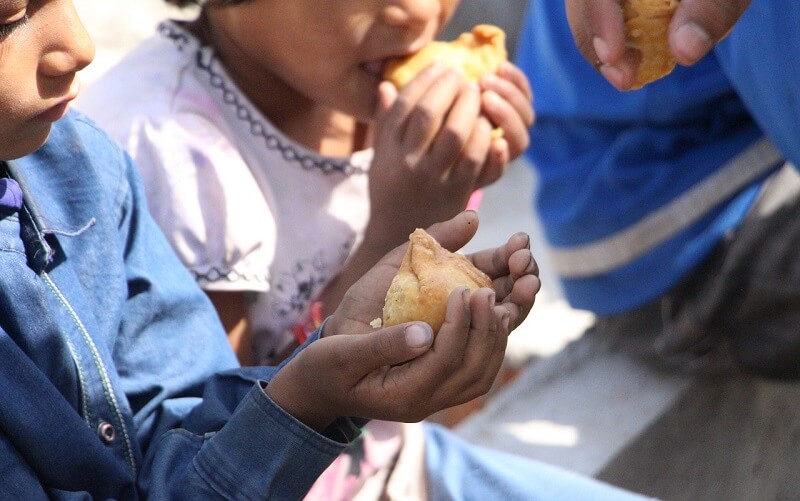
(696, 28)
(401, 373)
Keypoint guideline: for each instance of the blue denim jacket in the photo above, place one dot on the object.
(116, 379)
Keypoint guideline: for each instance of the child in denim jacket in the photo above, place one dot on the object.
(117, 379)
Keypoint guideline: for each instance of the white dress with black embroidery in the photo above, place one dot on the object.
(245, 207)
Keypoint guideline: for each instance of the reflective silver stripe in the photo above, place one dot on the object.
(624, 246)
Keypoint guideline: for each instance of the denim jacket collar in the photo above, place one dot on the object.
(47, 212)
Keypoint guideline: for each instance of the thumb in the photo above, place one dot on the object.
(456, 232)
(698, 25)
(392, 346)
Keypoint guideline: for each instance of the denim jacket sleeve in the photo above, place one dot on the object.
(193, 424)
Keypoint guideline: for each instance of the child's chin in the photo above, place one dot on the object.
(13, 149)
(362, 111)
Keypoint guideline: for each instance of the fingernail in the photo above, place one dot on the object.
(437, 67)
(489, 79)
(492, 98)
(472, 87)
(412, 159)
(506, 321)
(455, 74)
(601, 49)
(613, 75)
(418, 336)
(527, 238)
(692, 41)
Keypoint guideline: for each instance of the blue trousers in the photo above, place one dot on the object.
(461, 471)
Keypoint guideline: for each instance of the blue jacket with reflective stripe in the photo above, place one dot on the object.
(614, 168)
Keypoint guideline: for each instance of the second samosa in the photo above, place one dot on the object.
(427, 276)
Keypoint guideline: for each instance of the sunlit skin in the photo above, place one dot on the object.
(314, 69)
(42, 47)
(313, 66)
(696, 27)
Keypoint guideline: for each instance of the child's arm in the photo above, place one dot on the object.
(231, 307)
(402, 373)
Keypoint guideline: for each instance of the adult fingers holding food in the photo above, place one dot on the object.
(698, 25)
(635, 42)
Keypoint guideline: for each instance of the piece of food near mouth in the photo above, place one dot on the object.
(424, 281)
(474, 54)
(647, 31)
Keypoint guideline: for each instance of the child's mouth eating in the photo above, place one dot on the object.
(374, 68)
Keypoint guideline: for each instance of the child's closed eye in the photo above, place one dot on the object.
(8, 27)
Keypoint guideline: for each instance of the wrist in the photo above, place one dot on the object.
(299, 402)
(382, 236)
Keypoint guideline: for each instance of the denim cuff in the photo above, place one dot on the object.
(264, 452)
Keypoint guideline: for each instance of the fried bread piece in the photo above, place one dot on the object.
(646, 25)
(427, 276)
(475, 53)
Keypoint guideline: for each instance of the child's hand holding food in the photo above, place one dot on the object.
(402, 372)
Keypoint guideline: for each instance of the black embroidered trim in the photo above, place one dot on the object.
(179, 38)
(217, 275)
(257, 127)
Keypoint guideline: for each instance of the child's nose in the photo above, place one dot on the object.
(69, 49)
(411, 12)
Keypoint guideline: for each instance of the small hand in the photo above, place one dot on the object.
(401, 373)
(696, 28)
(507, 101)
(430, 147)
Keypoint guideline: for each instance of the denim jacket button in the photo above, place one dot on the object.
(106, 432)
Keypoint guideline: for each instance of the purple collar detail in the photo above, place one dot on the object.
(10, 195)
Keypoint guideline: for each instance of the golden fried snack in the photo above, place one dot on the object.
(475, 54)
(427, 276)
(646, 24)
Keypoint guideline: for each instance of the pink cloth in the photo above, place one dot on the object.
(475, 200)
(379, 447)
